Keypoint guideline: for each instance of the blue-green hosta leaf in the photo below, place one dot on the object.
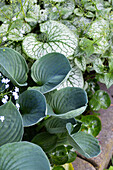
(100, 100)
(32, 107)
(11, 125)
(75, 78)
(56, 125)
(13, 66)
(68, 102)
(58, 38)
(23, 156)
(85, 144)
(49, 71)
(46, 141)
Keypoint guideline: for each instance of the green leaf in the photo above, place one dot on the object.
(68, 102)
(58, 168)
(78, 12)
(71, 156)
(46, 141)
(49, 71)
(32, 107)
(13, 66)
(23, 155)
(100, 100)
(80, 62)
(98, 66)
(17, 29)
(11, 128)
(75, 78)
(59, 156)
(111, 63)
(108, 77)
(85, 144)
(56, 37)
(91, 124)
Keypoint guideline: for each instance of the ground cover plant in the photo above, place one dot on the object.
(52, 55)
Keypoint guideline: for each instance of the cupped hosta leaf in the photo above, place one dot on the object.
(46, 141)
(85, 144)
(23, 156)
(100, 100)
(57, 125)
(56, 38)
(11, 126)
(68, 102)
(49, 71)
(13, 66)
(91, 124)
(75, 78)
(32, 107)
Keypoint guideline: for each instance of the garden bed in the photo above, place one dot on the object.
(105, 138)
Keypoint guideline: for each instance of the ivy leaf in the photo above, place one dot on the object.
(91, 124)
(100, 100)
(68, 102)
(13, 66)
(32, 107)
(25, 156)
(57, 38)
(49, 71)
(11, 128)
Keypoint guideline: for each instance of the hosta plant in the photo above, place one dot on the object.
(52, 55)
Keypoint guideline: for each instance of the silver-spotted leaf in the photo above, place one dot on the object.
(13, 66)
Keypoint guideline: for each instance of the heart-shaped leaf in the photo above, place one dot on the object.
(85, 144)
(100, 100)
(23, 156)
(13, 66)
(56, 37)
(11, 125)
(32, 107)
(49, 71)
(68, 102)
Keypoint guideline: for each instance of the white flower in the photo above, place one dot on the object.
(14, 18)
(4, 100)
(16, 96)
(4, 38)
(21, 35)
(6, 97)
(2, 118)
(6, 86)
(16, 89)
(0, 75)
(5, 80)
(18, 106)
